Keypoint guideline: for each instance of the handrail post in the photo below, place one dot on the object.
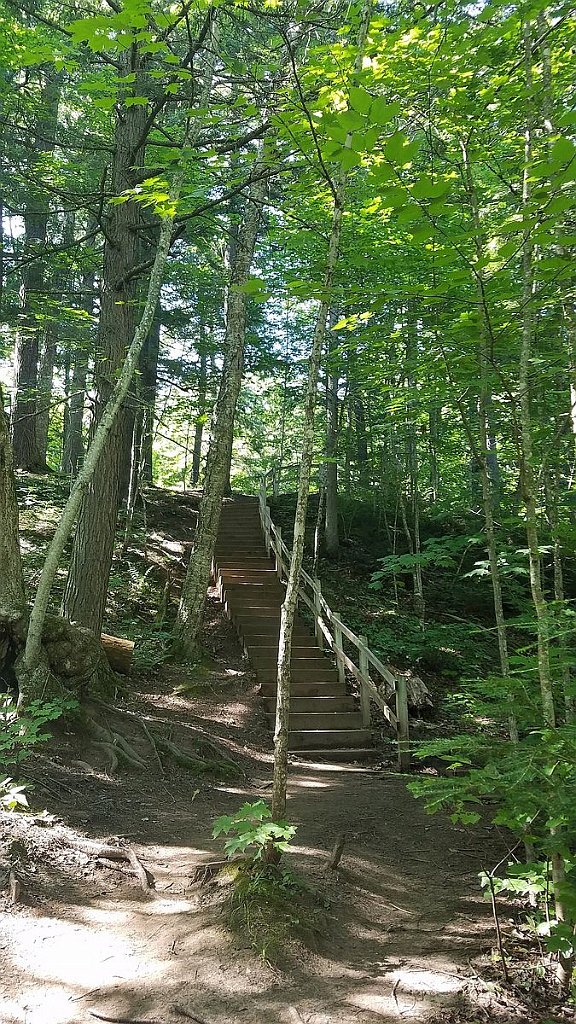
(279, 553)
(403, 726)
(317, 614)
(364, 673)
(338, 647)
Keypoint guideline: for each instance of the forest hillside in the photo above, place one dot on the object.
(288, 443)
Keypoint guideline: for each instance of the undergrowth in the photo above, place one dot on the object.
(273, 908)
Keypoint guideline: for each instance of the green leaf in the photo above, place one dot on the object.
(360, 100)
(382, 112)
(562, 151)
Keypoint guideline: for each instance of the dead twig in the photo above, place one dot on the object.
(189, 1016)
(144, 877)
(15, 887)
(126, 1020)
(335, 857)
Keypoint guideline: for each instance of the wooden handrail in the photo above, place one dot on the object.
(324, 617)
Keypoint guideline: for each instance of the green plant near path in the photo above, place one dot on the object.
(530, 788)
(267, 902)
(253, 832)
(20, 731)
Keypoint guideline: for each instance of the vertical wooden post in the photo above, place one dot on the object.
(364, 673)
(338, 648)
(279, 552)
(317, 614)
(403, 727)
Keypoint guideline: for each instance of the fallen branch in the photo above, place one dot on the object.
(189, 1016)
(144, 877)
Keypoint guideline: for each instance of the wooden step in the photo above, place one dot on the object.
(248, 575)
(312, 705)
(310, 688)
(301, 672)
(337, 755)
(333, 720)
(243, 563)
(315, 739)
(269, 655)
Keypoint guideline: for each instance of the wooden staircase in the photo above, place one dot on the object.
(324, 720)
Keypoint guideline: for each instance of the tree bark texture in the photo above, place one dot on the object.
(87, 584)
(32, 668)
(148, 386)
(73, 443)
(331, 532)
(12, 598)
(27, 454)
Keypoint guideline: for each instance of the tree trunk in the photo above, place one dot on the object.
(331, 534)
(12, 598)
(73, 445)
(25, 435)
(480, 458)
(33, 668)
(87, 584)
(148, 387)
(288, 611)
(193, 600)
(200, 415)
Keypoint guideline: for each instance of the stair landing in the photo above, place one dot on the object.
(324, 720)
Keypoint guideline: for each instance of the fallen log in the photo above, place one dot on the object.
(119, 653)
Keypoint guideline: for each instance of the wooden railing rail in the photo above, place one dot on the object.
(331, 632)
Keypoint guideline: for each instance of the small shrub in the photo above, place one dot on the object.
(20, 731)
(12, 796)
(254, 832)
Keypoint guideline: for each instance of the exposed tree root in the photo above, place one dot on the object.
(204, 873)
(114, 743)
(133, 716)
(118, 748)
(108, 856)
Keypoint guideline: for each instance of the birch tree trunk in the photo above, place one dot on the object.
(73, 444)
(200, 414)
(290, 603)
(481, 456)
(331, 535)
(193, 601)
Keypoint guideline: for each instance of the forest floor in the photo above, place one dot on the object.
(400, 931)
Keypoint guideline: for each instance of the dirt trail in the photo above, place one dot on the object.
(404, 913)
(401, 925)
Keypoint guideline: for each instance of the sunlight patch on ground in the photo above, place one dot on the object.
(309, 784)
(56, 959)
(425, 981)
